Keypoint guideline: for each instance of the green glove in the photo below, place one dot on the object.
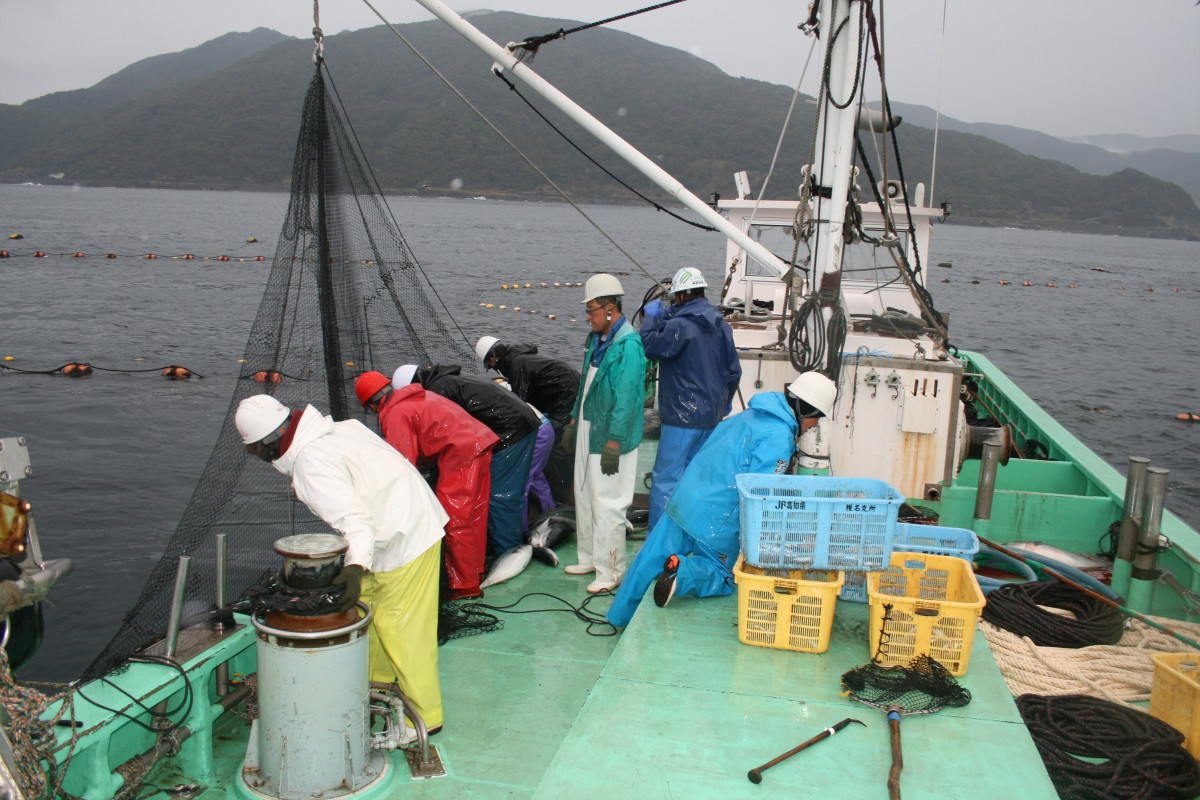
(610, 458)
(351, 578)
(568, 437)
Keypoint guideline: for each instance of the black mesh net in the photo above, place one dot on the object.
(344, 295)
(923, 687)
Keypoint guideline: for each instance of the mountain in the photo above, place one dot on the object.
(231, 123)
(1130, 143)
(23, 126)
(1172, 158)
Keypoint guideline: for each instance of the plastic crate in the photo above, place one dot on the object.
(817, 522)
(909, 538)
(934, 539)
(786, 609)
(924, 604)
(1175, 695)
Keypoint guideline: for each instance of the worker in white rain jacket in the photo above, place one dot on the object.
(391, 520)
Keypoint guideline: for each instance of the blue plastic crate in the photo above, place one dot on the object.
(911, 538)
(935, 540)
(854, 588)
(817, 522)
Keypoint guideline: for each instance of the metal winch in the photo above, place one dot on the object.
(312, 737)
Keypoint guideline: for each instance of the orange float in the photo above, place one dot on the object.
(174, 373)
(268, 376)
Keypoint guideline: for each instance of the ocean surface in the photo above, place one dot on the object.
(116, 454)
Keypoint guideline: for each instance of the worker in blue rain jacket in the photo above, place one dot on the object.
(693, 547)
(698, 375)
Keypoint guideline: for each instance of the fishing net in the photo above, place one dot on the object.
(344, 295)
(923, 687)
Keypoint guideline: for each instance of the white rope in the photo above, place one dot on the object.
(1121, 673)
(318, 34)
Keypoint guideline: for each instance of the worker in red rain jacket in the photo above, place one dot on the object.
(425, 426)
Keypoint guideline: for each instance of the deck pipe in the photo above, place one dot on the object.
(986, 490)
(181, 578)
(1130, 514)
(1145, 572)
(222, 580)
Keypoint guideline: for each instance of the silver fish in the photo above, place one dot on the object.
(1076, 560)
(547, 535)
(509, 565)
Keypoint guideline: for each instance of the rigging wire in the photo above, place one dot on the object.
(783, 132)
(561, 192)
(530, 45)
(657, 206)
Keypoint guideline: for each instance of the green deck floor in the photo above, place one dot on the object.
(677, 707)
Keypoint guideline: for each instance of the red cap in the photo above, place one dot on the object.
(368, 384)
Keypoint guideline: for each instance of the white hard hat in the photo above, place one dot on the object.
(403, 376)
(258, 417)
(815, 389)
(484, 346)
(687, 279)
(602, 285)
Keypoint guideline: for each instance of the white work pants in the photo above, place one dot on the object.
(601, 502)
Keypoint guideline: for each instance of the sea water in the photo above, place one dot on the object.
(117, 454)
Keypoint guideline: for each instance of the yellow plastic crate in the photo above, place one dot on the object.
(1175, 693)
(786, 609)
(924, 604)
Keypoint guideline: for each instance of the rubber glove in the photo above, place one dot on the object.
(351, 577)
(652, 310)
(610, 458)
(568, 437)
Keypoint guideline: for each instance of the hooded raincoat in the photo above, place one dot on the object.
(425, 426)
(698, 371)
(546, 383)
(366, 491)
(702, 519)
(698, 375)
(493, 405)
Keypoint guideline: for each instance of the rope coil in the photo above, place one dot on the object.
(1142, 757)
(1021, 608)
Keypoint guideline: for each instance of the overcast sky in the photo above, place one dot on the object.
(1064, 67)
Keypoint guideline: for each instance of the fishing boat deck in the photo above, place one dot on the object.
(677, 706)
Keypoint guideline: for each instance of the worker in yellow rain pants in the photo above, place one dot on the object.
(392, 523)
(404, 631)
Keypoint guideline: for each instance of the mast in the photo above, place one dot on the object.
(334, 377)
(505, 60)
(830, 176)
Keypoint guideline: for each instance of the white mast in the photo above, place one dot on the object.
(505, 60)
(841, 26)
